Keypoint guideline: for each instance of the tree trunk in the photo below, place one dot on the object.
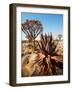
(33, 45)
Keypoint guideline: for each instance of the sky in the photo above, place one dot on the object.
(50, 22)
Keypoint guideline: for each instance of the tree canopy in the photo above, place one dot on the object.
(32, 28)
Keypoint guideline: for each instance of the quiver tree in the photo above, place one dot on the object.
(59, 36)
(49, 62)
(32, 28)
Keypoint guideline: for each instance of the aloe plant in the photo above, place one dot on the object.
(47, 47)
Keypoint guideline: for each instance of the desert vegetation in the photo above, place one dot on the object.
(40, 57)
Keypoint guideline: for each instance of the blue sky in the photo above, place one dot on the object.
(51, 22)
